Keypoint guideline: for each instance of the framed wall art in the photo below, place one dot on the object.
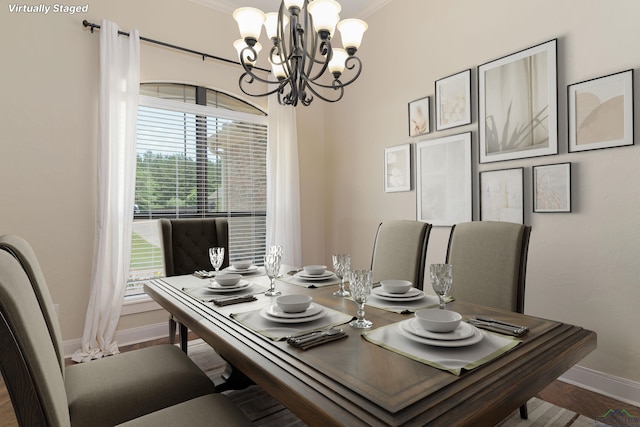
(419, 116)
(518, 105)
(552, 188)
(443, 180)
(397, 168)
(601, 112)
(453, 100)
(501, 195)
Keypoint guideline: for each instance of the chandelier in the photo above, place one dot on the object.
(301, 56)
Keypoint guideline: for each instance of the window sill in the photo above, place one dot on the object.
(138, 304)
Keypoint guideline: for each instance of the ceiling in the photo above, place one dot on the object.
(350, 8)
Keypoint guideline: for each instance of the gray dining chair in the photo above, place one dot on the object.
(400, 250)
(186, 243)
(489, 261)
(130, 387)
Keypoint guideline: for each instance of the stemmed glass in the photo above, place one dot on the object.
(360, 287)
(272, 268)
(441, 280)
(216, 256)
(342, 267)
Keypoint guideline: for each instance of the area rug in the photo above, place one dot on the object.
(265, 411)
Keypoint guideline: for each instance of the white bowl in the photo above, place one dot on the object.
(315, 270)
(241, 264)
(228, 279)
(436, 320)
(293, 303)
(396, 286)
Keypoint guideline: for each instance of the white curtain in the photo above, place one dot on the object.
(283, 182)
(119, 88)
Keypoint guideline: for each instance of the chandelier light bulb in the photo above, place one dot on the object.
(271, 24)
(246, 56)
(278, 71)
(325, 16)
(296, 4)
(336, 64)
(250, 22)
(351, 32)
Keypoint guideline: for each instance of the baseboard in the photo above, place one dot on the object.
(125, 337)
(621, 389)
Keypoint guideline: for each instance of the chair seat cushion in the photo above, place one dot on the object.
(209, 410)
(115, 389)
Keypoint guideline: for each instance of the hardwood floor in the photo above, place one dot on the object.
(584, 402)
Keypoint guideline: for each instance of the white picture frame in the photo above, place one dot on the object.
(453, 100)
(502, 195)
(443, 180)
(397, 168)
(552, 187)
(518, 105)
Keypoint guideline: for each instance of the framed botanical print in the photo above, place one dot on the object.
(397, 168)
(419, 116)
(501, 195)
(552, 188)
(443, 180)
(453, 100)
(518, 105)
(601, 112)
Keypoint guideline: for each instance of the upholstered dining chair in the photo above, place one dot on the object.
(489, 261)
(186, 244)
(399, 251)
(147, 389)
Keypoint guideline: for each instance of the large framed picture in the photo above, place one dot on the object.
(443, 184)
(397, 168)
(501, 195)
(601, 112)
(552, 188)
(518, 105)
(419, 116)
(453, 100)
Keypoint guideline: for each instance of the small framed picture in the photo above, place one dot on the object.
(419, 116)
(443, 180)
(601, 112)
(397, 168)
(453, 100)
(552, 188)
(501, 195)
(518, 105)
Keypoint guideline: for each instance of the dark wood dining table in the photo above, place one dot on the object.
(353, 382)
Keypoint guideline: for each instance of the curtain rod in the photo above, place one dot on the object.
(204, 55)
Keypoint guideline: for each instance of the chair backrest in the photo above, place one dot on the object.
(24, 253)
(187, 242)
(489, 261)
(27, 357)
(400, 250)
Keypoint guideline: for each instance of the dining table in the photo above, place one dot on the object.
(369, 377)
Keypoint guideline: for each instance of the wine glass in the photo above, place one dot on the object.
(275, 249)
(441, 280)
(360, 287)
(272, 268)
(216, 256)
(342, 266)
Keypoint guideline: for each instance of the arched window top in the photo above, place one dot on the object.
(198, 95)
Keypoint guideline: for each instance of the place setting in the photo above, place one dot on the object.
(312, 276)
(292, 316)
(243, 267)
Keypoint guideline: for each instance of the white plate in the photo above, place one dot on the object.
(251, 269)
(405, 298)
(275, 311)
(217, 287)
(265, 315)
(412, 292)
(324, 276)
(476, 338)
(463, 331)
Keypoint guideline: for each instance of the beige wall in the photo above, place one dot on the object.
(583, 266)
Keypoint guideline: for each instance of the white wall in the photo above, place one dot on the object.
(583, 266)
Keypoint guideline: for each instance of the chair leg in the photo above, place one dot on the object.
(524, 412)
(172, 330)
(184, 338)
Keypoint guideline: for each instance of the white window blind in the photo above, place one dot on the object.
(196, 161)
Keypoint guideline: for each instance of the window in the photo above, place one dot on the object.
(200, 153)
